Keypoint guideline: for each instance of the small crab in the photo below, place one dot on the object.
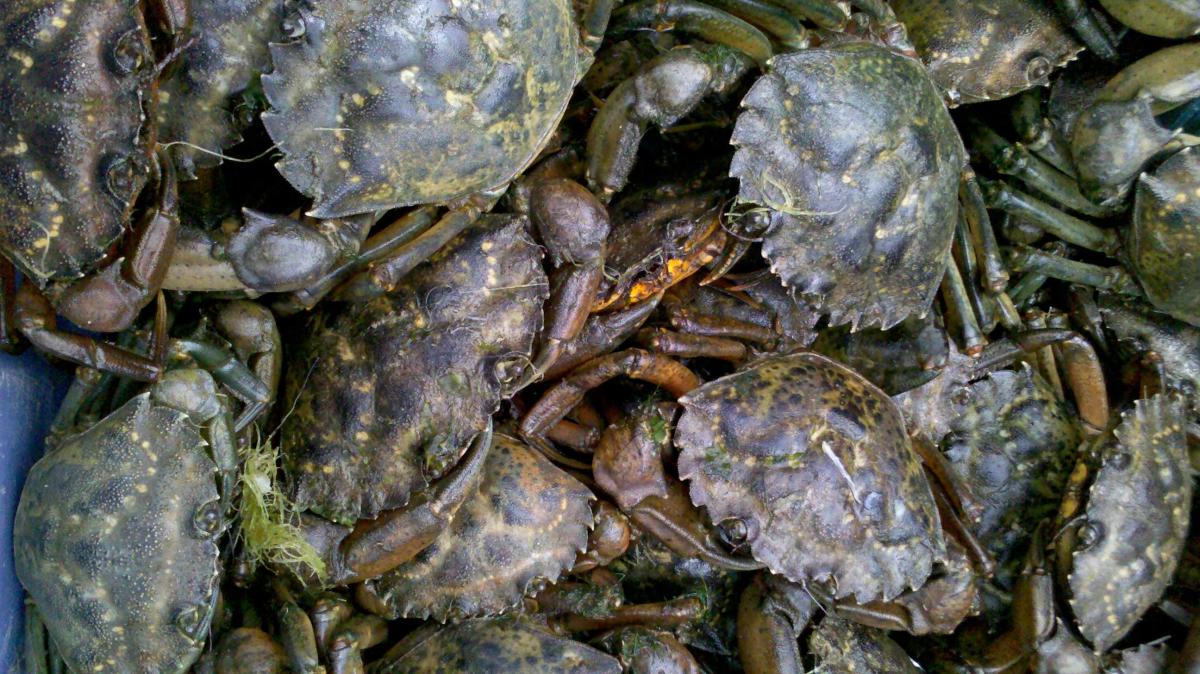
(523, 526)
(1124, 534)
(799, 450)
(981, 51)
(116, 535)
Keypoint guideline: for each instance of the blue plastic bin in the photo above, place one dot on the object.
(30, 392)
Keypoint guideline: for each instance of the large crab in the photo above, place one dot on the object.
(381, 105)
(116, 535)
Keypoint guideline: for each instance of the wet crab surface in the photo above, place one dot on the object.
(798, 335)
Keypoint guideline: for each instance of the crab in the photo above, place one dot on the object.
(983, 51)
(522, 527)
(1143, 460)
(892, 542)
(116, 534)
(411, 102)
(805, 171)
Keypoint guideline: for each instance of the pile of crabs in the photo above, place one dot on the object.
(667, 336)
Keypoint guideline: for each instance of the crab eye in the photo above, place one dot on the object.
(508, 369)
(1037, 69)
(1120, 461)
(121, 177)
(207, 519)
(191, 620)
(1089, 535)
(129, 53)
(734, 532)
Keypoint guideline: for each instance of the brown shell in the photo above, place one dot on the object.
(388, 393)
(983, 50)
(74, 77)
(1164, 242)
(382, 104)
(854, 154)
(227, 52)
(843, 647)
(496, 645)
(108, 542)
(527, 521)
(1137, 519)
(815, 461)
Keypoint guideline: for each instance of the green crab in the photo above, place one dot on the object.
(116, 534)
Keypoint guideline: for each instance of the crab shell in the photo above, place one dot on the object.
(115, 539)
(76, 83)
(227, 52)
(388, 393)
(980, 51)
(498, 645)
(1163, 244)
(1137, 512)
(384, 104)
(815, 462)
(855, 156)
(526, 523)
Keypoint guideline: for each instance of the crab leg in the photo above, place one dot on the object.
(684, 320)
(384, 276)
(298, 638)
(700, 19)
(375, 248)
(983, 237)
(1056, 223)
(767, 624)
(35, 318)
(353, 636)
(1024, 258)
(251, 329)
(1037, 134)
(669, 613)
(376, 546)
(10, 337)
(1016, 160)
(959, 310)
(685, 345)
(633, 363)
(110, 299)
(1046, 363)
(1098, 37)
(600, 334)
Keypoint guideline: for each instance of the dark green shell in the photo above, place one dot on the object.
(490, 646)
(228, 51)
(1164, 242)
(855, 155)
(109, 542)
(983, 50)
(1013, 443)
(73, 154)
(815, 461)
(1137, 517)
(383, 104)
(527, 521)
(388, 393)
(843, 647)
